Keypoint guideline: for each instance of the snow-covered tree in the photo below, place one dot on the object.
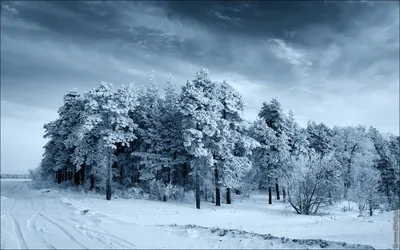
(61, 134)
(149, 147)
(232, 145)
(106, 126)
(353, 148)
(199, 110)
(319, 137)
(171, 134)
(387, 163)
(278, 150)
(310, 183)
(364, 190)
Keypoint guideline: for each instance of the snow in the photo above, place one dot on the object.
(54, 218)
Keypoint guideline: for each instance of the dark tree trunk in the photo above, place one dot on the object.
(83, 170)
(217, 196)
(269, 195)
(76, 178)
(228, 196)
(284, 194)
(217, 188)
(197, 192)
(122, 175)
(58, 176)
(108, 184)
(370, 208)
(172, 176)
(277, 190)
(62, 175)
(185, 173)
(388, 193)
(91, 177)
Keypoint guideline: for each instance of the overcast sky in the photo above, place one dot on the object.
(332, 62)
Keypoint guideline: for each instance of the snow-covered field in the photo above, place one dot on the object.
(59, 219)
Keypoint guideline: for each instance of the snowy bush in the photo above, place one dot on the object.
(311, 183)
(364, 190)
(189, 196)
(35, 174)
(160, 191)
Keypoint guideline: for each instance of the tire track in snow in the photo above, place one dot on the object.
(20, 237)
(17, 228)
(100, 236)
(72, 238)
(31, 224)
(113, 241)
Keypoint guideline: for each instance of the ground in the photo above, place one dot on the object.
(54, 218)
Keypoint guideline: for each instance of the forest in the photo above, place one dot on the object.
(163, 144)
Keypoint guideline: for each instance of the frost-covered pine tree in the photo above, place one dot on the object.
(264, 170)
(278, 152)
(298, 147)
(199, 110)
(233, 146)
(62, 133)
(108, 125)
(387, 163)
(171, 133)
(150, 147)
(319, 137)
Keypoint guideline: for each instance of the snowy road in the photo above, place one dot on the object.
(52, 219)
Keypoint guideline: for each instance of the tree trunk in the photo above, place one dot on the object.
(91, 177)
(185, 173)
(284, 194)
(228, 196)
(122, 175)
(83, 170)
(108, 184)
(388, 194)
(277, 190)
(172, 176)
(197, 192)
(370, 208)
(217, 188)
(269, 195)
(58, 176)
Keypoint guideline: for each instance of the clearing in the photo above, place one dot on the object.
(54, 219)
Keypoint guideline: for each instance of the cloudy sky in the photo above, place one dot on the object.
(332, 62)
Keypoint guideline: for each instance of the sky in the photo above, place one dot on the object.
(335, 62)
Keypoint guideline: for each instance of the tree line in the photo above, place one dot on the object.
(197, 140)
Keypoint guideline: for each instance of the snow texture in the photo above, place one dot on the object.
(53, 218)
